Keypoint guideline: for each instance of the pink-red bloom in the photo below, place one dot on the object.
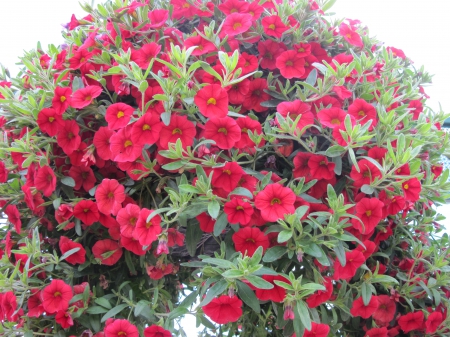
(109, 195)
(224, 309)
(212, 101)
(274, 201)
(224, 131)
(107, 251)
(121, 328)
(65, 244)
(236, 23)
(247, 240)
(84, 96)
(118, 115)
(56, 296)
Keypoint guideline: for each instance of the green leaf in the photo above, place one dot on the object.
(68, 181)
(367, 189)
(177, 312)
(328, 5)
(214, 209)
(68, 253)
(130, 263)
(96, 310)
(335, 151)
(303, 313)
(220, 262)
(242, 191)
(248, 296)
(103, 302)
(366, 293)
(174, 165)
(313, 250)
(312, 77)
(284, 235)
(215, 290)
(221, 224)
(143, 308)
(114, 311)
(188, 188)
(340, 253)
(274, 253)
(383, 279)
(193, 236)
(258, 282)
(233, 273)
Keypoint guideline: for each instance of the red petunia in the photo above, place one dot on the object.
(233, 6)
(274, 201)
(238, 211)
(123, 149)
(297, 108)
(277, 293)
(86, 211)
(127, 218)
(147, 231)
(350, 35)
(227, 176)
(146, 129)
(224, 131)
(144, 55)
(363, 112)
(13, 215)
(212, 101)
(203, 46)
(273, 26)
(109, 196)
(257, 95)
(370, 211)
(386, 309)
(321, 296)
(367, 173)
(45, 180)
(247, 240)
(411, 189)
(157, 17)
(102, 142)
(80, 57)
(236, 23)
(433, 321)
(65, 244)
(84, 177)
(156, 331)
(84, 96)
(411, 321)
(56, 296)
(206, 222)
(248, 63)
(35, 307)
(107, 251)
(179, 128)
(118, 115)
(377, 332)
(248, 124)
(290, 64)
(269, 51)
(354, 260)
(238, 91)
(64, 319)
(332, 117)
(224, 309)
(320, 167)
(317, 330)
(49, 121)
(68, 138)
(121, 328)
(365, 311)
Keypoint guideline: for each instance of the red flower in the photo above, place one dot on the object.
(227, 176)
(179, 128)
(354, 260)
(297, 108)
(290, 64)
(257, 95)
(238, 91)
(224, 309)
(247, 240)
(248, 63)
(370, 211)
(320, 167)
(206, 222)
(123, 149)
(203, 46)
(332, 117)
(273, 26)
(102, 142)
(224, 131)
(147, 231)
(236, 23)
(366, 175)
(277, 293)
(109, 195)
(246, 123)
(84, 96)
(317, 330)
(118, 115)
(411, 321)
(65, 244)
(233, 6)
(433, 321)
(107, 251)
(133, 245)
(127, 218)
(79, 58)
(365, 311)
(68, 138)
(238, 211)
(363, 112)
(35, 307)
(157, 17)
(212, 101)
(350, 35)
(386, 309)
(13, 215)
(274, 201)
(411, 189)
(64, 319)
(158, 272)
(377, 332)
(56, 296)
(156, 331)
(144, 55)
(45, 180)
(86, 211)
(321, 296)
(49, 121)
(121, 328)
(269, 51)
(83, 176)
(8, 305)
(146, 129)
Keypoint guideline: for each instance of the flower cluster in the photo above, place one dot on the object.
(254, 164)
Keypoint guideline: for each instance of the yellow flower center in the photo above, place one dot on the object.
(223, 130)
(177, 131)
(120, 114)
(406, 186)
(275, 201)
(212, 100)
(146, 127)
(369, 213)
(237, 25)
(335, 121)
(128, 143)
(51, 119)
(62, 98)
(272, 26)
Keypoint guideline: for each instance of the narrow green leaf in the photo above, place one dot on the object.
(303, 313)
(114, 311)
(193, 236)
(215, 290)
(221, 224)
(274, 253)
(366, 293)
(214, 209)
(248, 296)
(258, 282)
